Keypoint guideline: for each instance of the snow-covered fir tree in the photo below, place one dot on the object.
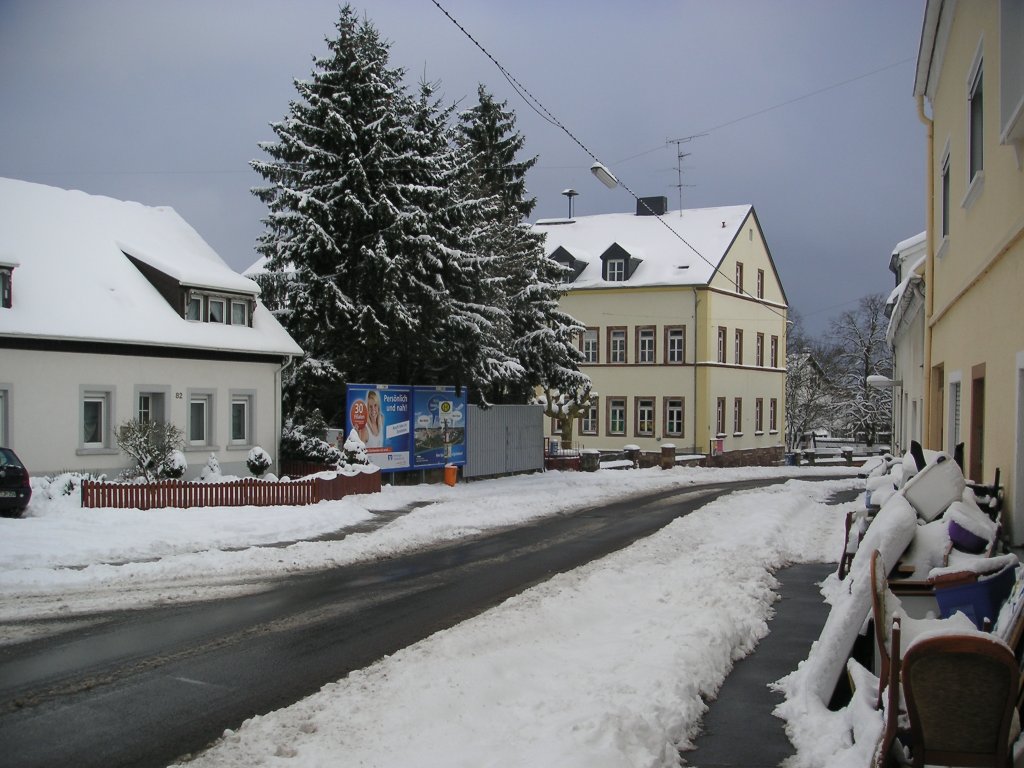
(525, 283)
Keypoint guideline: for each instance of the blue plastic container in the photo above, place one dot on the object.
(979, 600)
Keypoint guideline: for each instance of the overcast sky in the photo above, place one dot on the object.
(807, 106)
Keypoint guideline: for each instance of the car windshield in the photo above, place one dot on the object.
(7, 457)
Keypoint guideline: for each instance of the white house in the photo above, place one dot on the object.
(905, 336)
(113, 311)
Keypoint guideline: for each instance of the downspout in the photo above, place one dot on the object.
(279, 384)
(927, 438)
(696, 338)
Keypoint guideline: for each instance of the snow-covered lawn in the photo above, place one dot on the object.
(608, 665)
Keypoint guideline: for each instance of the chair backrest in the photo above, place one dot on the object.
(961, 692)
(881, 617)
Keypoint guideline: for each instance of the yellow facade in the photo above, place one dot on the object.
(745, 376)
(974, 337)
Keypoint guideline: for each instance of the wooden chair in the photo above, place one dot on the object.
(961, 693)
(884, 757)
(882, 615)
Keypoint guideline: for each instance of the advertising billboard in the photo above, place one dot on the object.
(380, 415)
(439, 427)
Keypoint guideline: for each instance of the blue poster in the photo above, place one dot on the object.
(439, 426)
(379, 413)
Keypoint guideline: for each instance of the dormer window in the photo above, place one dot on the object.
(194, 310)
(567, 260)
(223, 310)
(617, 264)
(239, 313)
(215, 308)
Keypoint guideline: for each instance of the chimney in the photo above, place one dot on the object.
(652, 206)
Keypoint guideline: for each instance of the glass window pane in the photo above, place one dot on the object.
(238, 313)
(92, 421)
(216, 310)
(195, 308)
(239, 411)
(197, 421)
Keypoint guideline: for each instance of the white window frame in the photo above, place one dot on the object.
(194, 309)
(759, 350)
(617, 350)
(739, 277)
(954, 408)
(773, 416)
(774, 351)
(588, 420)
(720, 417)
(675, 345)
(159, 396)
(737, 416)
(975, 87)
(675, 416)
(6, 288)
(758, 415)
(760, 283)
(645, 417)
(723, 333)
(244, 306)
(737, 353)
(591, 346)
(206, 442)
(5, 415)
(216, 301)
(105, 397)
(247, 400)
(616, 406)
(615, 270)
(944, 198)
(646, 345)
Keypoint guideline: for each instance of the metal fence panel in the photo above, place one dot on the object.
(504, 439)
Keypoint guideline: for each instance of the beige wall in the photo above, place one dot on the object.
(977, 322)
(702, 379)
(44, 397)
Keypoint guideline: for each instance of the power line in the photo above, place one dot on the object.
(532, 100)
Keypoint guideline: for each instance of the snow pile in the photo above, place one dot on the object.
(608, 665)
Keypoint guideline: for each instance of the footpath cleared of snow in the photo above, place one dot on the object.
(607, 665)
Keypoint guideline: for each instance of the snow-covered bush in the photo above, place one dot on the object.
(258, 461)
(305, 441)
(150, 444)
(212, 469)
(175, 465)
(354, 451)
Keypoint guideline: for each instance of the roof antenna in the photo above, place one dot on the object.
(679, 163)
(570, 193)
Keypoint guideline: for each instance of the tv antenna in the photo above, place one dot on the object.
(679, 162)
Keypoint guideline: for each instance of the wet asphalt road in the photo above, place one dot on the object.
(144, 688)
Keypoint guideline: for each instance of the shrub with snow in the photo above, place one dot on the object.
(305, 443)
(258, 461)
(174, 466)
(354, 452)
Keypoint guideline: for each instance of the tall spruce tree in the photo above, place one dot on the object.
(536, 332)
(366, 217)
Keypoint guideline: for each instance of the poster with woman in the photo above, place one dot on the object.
(379, 414)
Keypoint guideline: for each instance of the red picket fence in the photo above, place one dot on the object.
(235, 493)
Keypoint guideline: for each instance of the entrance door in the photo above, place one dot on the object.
(976, 467)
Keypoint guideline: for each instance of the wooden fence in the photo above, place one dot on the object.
(235, 493)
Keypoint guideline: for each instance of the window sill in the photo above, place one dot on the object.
(974, 190)
(720, 436)
(940, 252)
(200, 448)
(737, 434)
(773, 431)
(758, 433)
(96, 451)
(241, 446)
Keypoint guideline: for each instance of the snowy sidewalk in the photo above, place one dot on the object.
(739, 730)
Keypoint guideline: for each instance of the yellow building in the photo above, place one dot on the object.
(686, 327)
(970, 91)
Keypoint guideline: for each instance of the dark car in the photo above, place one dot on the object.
(15, 489)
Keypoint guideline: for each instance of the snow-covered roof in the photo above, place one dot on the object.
(910, 242)
(677, 248)
(74, 281)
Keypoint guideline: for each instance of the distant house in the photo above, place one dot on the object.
(686, 327)
(115, 311)
(905, 336)
(970, 77)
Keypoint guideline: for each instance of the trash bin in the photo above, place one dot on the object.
(451, 474)
(789, 459)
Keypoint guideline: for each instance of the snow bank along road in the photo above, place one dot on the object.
(145, 687)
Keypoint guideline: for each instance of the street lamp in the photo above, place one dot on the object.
(605, 176)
